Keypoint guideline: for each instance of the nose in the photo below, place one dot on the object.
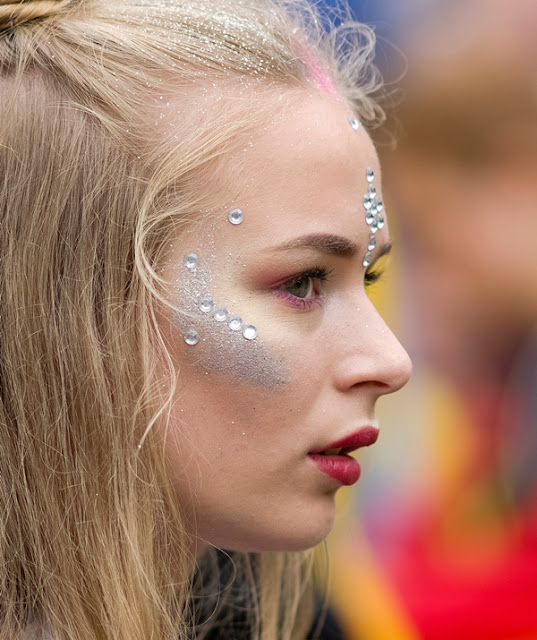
(371, 354)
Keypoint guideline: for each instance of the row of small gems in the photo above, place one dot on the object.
(373, 215)
(221, 314)
(206, 305)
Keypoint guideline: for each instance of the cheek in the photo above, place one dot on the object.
(211, 337)
(220, 350)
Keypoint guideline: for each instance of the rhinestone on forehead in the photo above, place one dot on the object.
(373, 215)
(236, 216)
(354, 123)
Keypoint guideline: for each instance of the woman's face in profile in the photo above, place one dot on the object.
(281, 354)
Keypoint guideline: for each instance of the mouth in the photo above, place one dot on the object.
(335, 452)
(364, 437)
(334, 459)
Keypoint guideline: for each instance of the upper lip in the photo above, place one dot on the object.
(363, 437)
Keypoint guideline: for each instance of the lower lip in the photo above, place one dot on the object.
(342, 468)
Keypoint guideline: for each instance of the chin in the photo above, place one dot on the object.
(300, 534)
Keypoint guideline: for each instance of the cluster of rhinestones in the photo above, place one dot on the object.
(207, 306)
(373, 215)
(220, 314)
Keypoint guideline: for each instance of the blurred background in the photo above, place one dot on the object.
(439, 541)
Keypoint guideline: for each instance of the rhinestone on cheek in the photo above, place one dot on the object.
(192, 337)
(206, 305)
(236, 216)
(249, 332)
(235, 323)
(354, 123)
(191, 261)
(220, 314)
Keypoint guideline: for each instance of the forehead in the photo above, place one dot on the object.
(307, 165)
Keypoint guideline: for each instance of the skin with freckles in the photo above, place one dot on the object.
(237, 448)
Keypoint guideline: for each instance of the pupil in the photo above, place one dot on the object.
(300, 287)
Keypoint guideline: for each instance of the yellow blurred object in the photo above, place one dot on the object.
(363, 599)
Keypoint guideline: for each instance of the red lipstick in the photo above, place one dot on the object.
(334, 461)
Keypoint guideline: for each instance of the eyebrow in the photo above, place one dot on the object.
(330, 244)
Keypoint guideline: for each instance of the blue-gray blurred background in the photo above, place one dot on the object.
(440, 539)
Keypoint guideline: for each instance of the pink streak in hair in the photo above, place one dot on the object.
(316, 71)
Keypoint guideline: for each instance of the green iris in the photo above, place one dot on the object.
(299, 287)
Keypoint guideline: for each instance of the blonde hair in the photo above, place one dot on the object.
(93, 185)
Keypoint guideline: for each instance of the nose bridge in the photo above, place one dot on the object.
(371, 351)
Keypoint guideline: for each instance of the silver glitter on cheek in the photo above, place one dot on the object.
(220, 314)
(206, 305)
(235, 323)
(236, 216)
(191, 261)
(354, 123)
(192, 337)
(249, 332)
(223, 350)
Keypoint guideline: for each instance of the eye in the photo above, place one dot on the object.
(303, 290)
(301, 287)
(371, 277)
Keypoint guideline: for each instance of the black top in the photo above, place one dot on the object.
(230, 620)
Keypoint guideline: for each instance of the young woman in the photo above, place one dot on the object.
(190, 215)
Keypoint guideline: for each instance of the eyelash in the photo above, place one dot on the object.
(372, 277)
(319, 274)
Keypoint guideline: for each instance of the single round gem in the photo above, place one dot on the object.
(369, 217)
(206, 305)
(220, 314)
(235, 323)
(354, 123)
(249, 332)
(372, 243)
(372, 191)
(236, 216)
(192, 337)
(374, 226)
(191, 261)
(374, 209)
(369, 174)
(380, 222)
(367, 202)
(367, 259)
(380, 205)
